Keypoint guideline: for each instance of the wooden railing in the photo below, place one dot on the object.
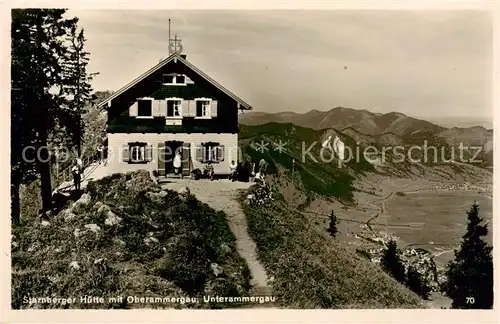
(61, 176)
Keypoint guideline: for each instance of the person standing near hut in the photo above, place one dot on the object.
(79, 164)
(232, 171)
(75, 170)
(262, 167)
(177, 162)
(100, 153)
(252, 172)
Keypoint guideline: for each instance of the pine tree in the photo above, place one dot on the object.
(415, 282)
(470, 276)
(332, 229)
(39, 51)
(76, 89)
(391, 262)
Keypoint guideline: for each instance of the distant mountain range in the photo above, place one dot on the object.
(340, 118)
(367, 126)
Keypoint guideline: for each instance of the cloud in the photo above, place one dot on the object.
(416, 62)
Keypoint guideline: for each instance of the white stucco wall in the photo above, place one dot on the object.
(117, 141)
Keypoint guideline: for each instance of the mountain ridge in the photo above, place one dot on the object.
(346, 115)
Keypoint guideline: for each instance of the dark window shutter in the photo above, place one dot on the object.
(161, 158)
(125, 153)
(220, 153)
(213, 108)
(199, 153)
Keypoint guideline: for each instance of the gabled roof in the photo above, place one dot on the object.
(173, 57)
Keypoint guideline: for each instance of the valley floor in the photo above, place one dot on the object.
(421, 213)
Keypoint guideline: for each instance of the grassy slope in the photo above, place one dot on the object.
(311, 270)
(323, 178)
(191, 238)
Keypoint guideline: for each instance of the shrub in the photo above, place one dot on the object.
(416, 283)
(391, 262)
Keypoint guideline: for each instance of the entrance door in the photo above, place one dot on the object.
(171, 148)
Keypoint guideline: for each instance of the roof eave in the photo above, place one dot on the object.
(106, 103)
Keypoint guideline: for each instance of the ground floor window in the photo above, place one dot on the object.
(211, 152)
(137, 153)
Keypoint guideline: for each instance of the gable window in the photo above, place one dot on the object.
(174, 78)
(180, 79)
(174, 107)
(203, 108)
(144, 108)
(168, 78)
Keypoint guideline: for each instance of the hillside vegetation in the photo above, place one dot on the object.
(316, 175)
(311, 270)
(127, 237)
(317, 172)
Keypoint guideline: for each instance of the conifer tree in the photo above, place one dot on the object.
(415, 282)
(76, 89)
(332, 229)
(40, 54)
(391, 262)
(470, 276)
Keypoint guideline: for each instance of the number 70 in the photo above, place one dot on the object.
(469, 300)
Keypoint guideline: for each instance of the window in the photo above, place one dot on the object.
(144, 108)
(202, 108)
(174, 78)
(137, 152)
(174, 107)
(180, 79)
(168, 78)
(210, 152)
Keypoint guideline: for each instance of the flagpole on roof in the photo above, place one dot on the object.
(169, 37)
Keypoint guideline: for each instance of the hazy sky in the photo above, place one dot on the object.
(421, 63)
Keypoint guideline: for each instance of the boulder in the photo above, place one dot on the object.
(119, 242)
(93, 227)
(103, 209)
(217, 269)
(151, 239)
(98, 205)
(68, 215)
(84, 200)
(112, 219)
(185, 191)
(225, 248)
(74, 265)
